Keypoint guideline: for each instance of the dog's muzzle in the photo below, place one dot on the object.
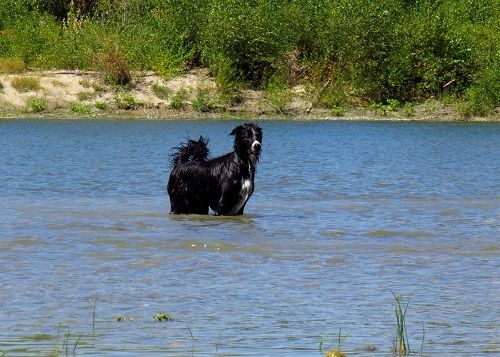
(256, 148)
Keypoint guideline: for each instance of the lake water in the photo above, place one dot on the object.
(344, 214)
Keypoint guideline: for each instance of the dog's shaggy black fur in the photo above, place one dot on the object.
(224, 183)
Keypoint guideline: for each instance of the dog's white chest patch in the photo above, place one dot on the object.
(245, 190)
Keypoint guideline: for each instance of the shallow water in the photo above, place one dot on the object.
(344, 214)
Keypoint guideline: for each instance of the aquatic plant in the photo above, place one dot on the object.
(337, 351)
(401, 345)
(66, 347)
(162, 316)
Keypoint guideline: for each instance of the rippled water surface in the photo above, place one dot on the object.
(343, 216)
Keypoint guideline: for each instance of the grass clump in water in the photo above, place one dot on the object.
(334, 352)
(162, 316)
(401, 345)
(26, 84)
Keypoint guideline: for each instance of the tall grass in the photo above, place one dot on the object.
(372, 51)
(401, 345)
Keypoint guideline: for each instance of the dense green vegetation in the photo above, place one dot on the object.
(351, 51)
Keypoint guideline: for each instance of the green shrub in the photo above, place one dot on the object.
(483, 97)
(162, 92)
(277, 93)
(126, 101)
(115, 68)
(36, 104)
(81, 109)
(1, 87)
(391, 105)
(178, 99)
(26, 84)
(202, 102)
(101, 105)
(337, 111)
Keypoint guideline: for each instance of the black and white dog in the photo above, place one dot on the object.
(224, 183)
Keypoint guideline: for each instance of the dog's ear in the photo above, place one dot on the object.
(236, 130)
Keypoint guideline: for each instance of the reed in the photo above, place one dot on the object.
(401, 345)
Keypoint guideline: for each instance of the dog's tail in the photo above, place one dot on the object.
(191, 151)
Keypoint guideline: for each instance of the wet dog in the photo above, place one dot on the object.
(223, 183)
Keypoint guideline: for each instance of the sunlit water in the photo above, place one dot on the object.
(343, 216)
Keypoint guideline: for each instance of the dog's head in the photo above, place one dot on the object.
(247, 141)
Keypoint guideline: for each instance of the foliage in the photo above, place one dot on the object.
(163, 317)
(36, 104)
(401, 346)
(369, 50)
(277, 93)
(101, 105)
(25, 84)
(202, 102)
(81, 109)
(115, 68)
(126, 101)
(178, 99)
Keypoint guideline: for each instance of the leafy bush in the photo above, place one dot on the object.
(202, 102)
(178, 99)
(81, 109)
(115, 68)
(36, 104)
(126, 101)
(101, 105)
(277, 93)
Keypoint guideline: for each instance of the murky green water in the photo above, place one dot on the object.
(343, 215)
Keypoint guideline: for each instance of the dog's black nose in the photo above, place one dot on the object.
(256, 147)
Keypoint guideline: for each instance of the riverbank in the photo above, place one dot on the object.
(193, 94)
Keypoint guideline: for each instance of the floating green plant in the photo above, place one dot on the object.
(163, 317)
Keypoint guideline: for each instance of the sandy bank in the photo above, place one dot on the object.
(77, 94)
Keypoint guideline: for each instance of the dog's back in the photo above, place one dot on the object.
(192, 151)
(188, 171)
